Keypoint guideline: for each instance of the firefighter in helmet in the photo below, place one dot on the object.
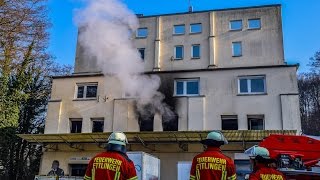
(113, 163)
(212, 164)
(262, 165)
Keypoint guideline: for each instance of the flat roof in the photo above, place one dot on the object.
(203, 11)
(96, 74)
(153, 137)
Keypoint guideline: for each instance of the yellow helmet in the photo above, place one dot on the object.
(118, 138)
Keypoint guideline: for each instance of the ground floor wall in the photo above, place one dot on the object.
(169, 154)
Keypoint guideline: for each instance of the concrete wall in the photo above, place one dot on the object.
(259, 47)
(218, 96)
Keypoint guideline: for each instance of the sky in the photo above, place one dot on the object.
(300, 21)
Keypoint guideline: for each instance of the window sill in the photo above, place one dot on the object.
(178, 34)
(232, 30)
(85, 99)
(237, 56)
(141, 37)
(181, 96)
(192, 33)
(253, 94)
(195, 58)
(250, 29)
(177, 59)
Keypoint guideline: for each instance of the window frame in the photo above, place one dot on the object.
(141, 37)
(144, 53)
(192, 55)
(85, 85)
(75, 120)
(233, 49)
(185, 80)
(190, 30)
(94, 120)
(252, 116)
(229, 117)
(175, 52)
(255, 28)
(230, 27)
(249, 85)
(174, 32)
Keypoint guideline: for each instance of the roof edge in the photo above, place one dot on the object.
(222, 69)
(203, 11)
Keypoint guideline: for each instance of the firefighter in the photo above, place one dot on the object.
(263, 168)
(113, 164)
(212, 164)
(55, 170)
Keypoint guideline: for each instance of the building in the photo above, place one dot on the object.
(219, 69)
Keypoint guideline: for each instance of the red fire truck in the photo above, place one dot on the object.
(296, 156)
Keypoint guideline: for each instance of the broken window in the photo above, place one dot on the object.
(170, 122)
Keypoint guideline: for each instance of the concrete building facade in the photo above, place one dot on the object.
(220, 70)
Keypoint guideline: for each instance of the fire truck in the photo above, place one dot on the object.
(295, 156)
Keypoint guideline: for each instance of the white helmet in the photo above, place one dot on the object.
(215, 136)
(118, 138)
(258, 151)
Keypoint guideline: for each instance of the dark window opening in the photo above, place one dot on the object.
(80, 93)
(255, 122)
(76, 126)
(78, 169)
(146, 122)
(142, 51)
(97, 125)
(229, 122)
(170, 123)
(91, 92)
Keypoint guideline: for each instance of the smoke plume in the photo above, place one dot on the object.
(104, 35)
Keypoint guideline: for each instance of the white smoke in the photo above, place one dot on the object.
(104, 35)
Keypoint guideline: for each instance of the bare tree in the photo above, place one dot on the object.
(309, 94)
(25, 70)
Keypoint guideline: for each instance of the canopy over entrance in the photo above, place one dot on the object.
(166, 137)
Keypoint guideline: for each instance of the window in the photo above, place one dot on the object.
(142, 33)
(178, 29)
(97, 124)
(195, 28)
(254, 24)
(88, 91)
(78, 169)
(141, 51)
(229, 122)
(195, 52)
(235, 25)
(255, 122)
(252, 85)
(75, 125)
(178, 52)
(186, 87)
(236, 49)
